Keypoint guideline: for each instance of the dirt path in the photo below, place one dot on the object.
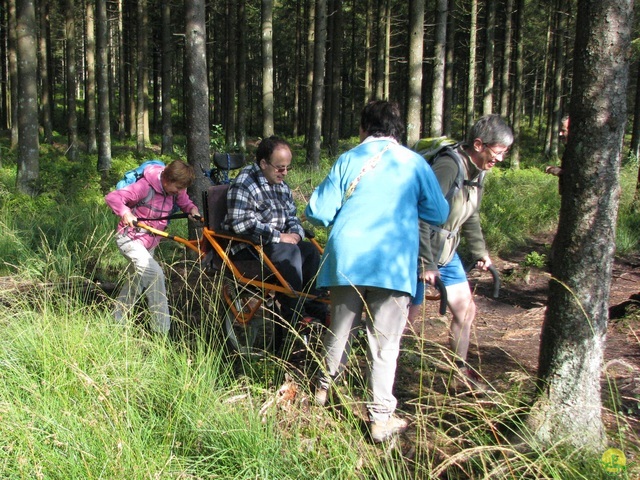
(506, 336)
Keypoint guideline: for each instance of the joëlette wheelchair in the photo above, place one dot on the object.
(250, 311)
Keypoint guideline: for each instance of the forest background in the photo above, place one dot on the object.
(88, 90)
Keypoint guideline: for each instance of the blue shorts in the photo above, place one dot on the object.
(451, 274)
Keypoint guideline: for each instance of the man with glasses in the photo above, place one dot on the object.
(260, 206)
(487, 143)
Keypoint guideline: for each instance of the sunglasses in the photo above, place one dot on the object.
(280, 169)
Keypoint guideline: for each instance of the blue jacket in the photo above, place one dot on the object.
(374, 231)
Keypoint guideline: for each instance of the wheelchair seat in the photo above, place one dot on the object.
(215, 212)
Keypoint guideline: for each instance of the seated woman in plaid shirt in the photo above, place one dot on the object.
(260, 205)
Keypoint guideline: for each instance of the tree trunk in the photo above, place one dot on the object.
(449, 70)
(558, 75)
(505, 84)
(298, 59)
(368, 45)
(142, 104)
(634, 148)
(197, 93)
(319, 53)
(72, 116)
(568, 406)
(28, 148)
(123, 75)
(471, 77)
(487, 96)
(380, 49)
(414, 81)
(311, 37)
(436, 125)
(13, 74)
(104, 117)
(241, 133)
(232, 74)
(518, 84)
(336, 83)
(267, 68)
(43, 65)
(90, 98)
(168, 56)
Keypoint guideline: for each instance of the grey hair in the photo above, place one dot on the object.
(491, 129)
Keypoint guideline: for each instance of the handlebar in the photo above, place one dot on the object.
(496, 278)
(443, 296)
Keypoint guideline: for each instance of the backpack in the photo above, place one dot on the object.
(434, 148)
(132, 176)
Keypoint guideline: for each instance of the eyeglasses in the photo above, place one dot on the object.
(495, 154)
(280, 169)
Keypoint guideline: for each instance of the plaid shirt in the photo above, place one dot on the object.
(259, 209)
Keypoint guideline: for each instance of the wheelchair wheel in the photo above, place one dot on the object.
(247, 322)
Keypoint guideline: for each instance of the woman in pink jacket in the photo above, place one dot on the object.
(151, 197)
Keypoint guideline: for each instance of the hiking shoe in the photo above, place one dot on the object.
(383, 431)
(320, 396)
(467, 378)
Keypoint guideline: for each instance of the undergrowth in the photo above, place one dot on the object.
(82, 397)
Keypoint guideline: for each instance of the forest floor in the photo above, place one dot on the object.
(506, 335)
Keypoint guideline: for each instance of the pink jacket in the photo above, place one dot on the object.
(129, 199)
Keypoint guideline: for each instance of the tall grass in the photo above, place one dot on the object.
(81, 397)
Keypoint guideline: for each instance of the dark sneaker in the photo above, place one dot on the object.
(383, 431)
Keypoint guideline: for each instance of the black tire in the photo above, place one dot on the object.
(249, 335)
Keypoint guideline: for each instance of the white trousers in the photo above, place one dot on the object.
(146, 276)
(386, 317)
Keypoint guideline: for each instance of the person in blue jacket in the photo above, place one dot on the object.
(372, 199)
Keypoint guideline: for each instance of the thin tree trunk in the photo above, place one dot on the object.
(568, 408)
(414, 80)
(311, 36)
(90, 99)
(168, 56)
(449, 70)
(28, 147)
(102, 66)
(336, 83)
(43, 65)
(142, 105)
(232, 74)
(267, 68)
(368, 62)
(241, 134)
(13, 75)
(439, 60)
(487, 97)
(471, 85)
(634, 148)
(319, 54)
(518, 82)
(296, 69)
(72, 116)
(558, 75)
(505, 84)
(380, 49)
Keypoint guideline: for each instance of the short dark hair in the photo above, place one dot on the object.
(268, 145)
(179, 173)
(380, 118)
